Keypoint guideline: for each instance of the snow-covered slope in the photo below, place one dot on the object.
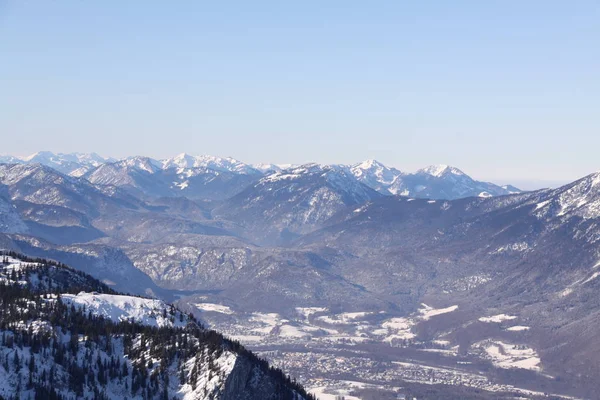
(58, 207)
(440, 170)
(10, 220)
(203, 177)
(295, 200)
(205, 183)
(434, 181)
(268, 168)
(444, 182)
(67, 163)
(110, 346)
(7, 159)
(376, 175)
(184, 161)
(120, 173)
(578, 199)
(138, 175)
(119, 308)
(39, 184)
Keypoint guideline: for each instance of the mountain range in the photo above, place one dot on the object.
(359, 280)
(216, 178)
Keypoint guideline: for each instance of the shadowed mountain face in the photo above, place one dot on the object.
(183, 176)
(533, 255)
(322, 259)
(285, 204)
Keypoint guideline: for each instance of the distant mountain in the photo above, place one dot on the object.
(72, 163)
(55, 206)
(444, 182)
(208, 178)
(5, 159)
(43, 185)
(203, 183)
(440, 171)
(218, 178)
(267, 168)
(376, 175)
(137, 175)
(294, 201)
(186, 161)
(435, 182)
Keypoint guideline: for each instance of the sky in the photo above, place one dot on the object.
(507, 91)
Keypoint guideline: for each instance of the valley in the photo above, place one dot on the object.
(336, 352)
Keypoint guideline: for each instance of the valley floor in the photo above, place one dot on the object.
(345, 354)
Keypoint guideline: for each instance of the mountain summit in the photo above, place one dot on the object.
(435, 181)
(228, 164)
(440, 170)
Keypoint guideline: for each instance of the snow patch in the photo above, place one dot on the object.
(214, 308)
(508, 355)
(518, 328)
(497, 318)
(428, 312)
(119, 308)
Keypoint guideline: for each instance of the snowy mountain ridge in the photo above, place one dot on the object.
(440, 170)
(186, 161)
(67, 163)
(118, 308)
(432, 181)
(105, 345)
(578, 199)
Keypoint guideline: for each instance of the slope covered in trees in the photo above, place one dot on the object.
(50, 349)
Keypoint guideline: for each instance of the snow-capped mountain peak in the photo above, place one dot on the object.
(270, 168)
(143, 163)
(375, 174)
(228, 164)
(369, 164)
(182, 160)
(440, 170)
(49, 158)
(292, 173)
(40, 155)
(309, 169)
(124, 173)
(37, 173)
(191, 175)
(75, 164)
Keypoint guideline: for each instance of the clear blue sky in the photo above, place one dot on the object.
(505, 90)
